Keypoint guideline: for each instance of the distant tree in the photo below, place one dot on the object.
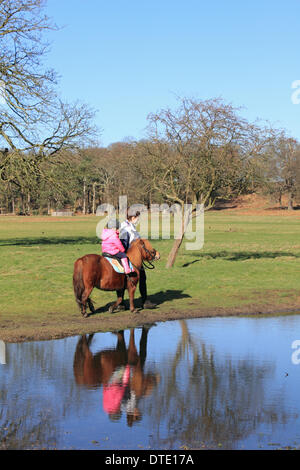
(282, 168)
(129, 180)
(96, 174)
(33, 119)
(201, 151)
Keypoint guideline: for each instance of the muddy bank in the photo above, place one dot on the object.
(56, 327)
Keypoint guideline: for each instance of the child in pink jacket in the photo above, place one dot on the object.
(112, 244)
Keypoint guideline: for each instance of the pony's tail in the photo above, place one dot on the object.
(78, 284)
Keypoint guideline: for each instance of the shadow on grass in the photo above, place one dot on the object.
(242, 256)
(167, 295)
(49, 241)
(158, 298)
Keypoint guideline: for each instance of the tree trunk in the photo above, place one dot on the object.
(178, 241)
(84, 197)
(290, 201)
(173, 252)
(23, 203)
(94, 199)
(28, 203)
(88, 201)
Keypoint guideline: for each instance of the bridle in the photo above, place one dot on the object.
(147, 264)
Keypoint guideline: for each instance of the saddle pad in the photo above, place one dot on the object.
(118, 267)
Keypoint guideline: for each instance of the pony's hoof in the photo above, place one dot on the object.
(120, 308)
(85, 315)
(111, 309)
(135, 310)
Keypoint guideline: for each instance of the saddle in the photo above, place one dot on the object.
(116, 263)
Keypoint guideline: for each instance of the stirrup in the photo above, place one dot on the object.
(131, 274)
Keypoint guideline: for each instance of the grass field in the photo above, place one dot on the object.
(249, 264)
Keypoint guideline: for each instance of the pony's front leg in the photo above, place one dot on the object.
(118, 301)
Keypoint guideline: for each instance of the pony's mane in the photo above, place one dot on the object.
(135, 243)
(138, 241)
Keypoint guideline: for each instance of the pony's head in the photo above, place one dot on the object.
(148, 252)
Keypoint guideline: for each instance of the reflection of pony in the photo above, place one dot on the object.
(97, 370)
(95, 271)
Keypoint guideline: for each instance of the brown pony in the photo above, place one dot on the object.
(95, 271)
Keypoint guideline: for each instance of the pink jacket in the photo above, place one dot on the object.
(111, 242)
(113, 393)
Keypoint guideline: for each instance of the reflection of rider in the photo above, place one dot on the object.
(118, 397)
(119, 371)
(129, 406)
(129, 233)
(114, 391)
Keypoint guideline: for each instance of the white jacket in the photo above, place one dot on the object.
(128, 233)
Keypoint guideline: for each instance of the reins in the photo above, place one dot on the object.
(144, 263)
(147, 264)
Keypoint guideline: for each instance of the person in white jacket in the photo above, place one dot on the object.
(129, 233)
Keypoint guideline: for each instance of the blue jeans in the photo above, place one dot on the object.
(120, 255)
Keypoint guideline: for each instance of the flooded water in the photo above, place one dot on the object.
(221, 383)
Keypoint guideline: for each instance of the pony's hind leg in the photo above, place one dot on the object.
(84, 300)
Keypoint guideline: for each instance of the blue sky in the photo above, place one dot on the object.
(129, 58)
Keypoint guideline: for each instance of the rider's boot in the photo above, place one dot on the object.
(127, 269)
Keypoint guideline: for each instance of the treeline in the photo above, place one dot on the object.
(198, 153)
(76, 180)
(201, 152)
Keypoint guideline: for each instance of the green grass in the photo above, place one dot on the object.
(245, 261)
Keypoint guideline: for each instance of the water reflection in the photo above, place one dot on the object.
(195, 383)
(120, 371)
(208, 399)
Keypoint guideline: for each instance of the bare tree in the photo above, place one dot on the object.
(282, 167)
(199, 152)
(32, 116)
